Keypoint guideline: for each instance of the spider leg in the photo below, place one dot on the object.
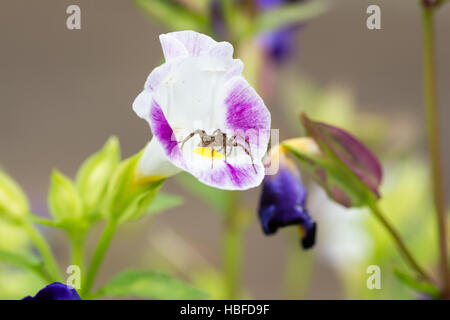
(237, 144)
(199, 132)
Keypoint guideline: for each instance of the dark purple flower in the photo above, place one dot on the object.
(283, 203)
(55, 291)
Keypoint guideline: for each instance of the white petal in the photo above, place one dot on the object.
(142, 103)
(195, 43)
(154, 163)
(172, 47)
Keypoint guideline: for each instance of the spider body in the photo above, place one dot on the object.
(219, 141)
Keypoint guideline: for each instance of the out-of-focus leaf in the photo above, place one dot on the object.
(416, 284)
(164, 201)
(19, 259)
(174, 15)
(220, 200)
(287, 15)
(149, 284)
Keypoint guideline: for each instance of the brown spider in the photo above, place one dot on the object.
(219, 139)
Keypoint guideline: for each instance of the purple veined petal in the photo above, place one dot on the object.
(165, 135)
(247, 113)
(220, 174)
(172, 47)
(349, 149)
(195, 43)
(201, 94)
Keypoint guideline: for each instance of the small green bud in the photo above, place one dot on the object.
(128, 197)
(63, 199)
(95, 173)
(13, 201)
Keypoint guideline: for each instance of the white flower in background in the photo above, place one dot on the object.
(205, 117)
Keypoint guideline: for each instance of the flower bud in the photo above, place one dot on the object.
(95, 173)
(13, 201)
(64, 201)
(129, 196)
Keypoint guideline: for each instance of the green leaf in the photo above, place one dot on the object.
(164, 201)
(149, 284)
(287, 15)
(19, 259)
(220, 200)
(13, 201)
(415, 284)
(95, 173)
(63, 198)
(173, 15)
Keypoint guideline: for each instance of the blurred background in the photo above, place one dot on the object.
(64, 92)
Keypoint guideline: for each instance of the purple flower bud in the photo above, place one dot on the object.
(55, 291)
(338, 144)
(283, 203)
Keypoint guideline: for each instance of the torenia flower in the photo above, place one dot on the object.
(283, 201)
(55, 291)
(205, 117)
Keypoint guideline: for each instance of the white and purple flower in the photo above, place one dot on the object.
(193, 100)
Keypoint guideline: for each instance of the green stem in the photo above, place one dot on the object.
(78, 252)
(401, 245)
(97, 258)
(233, 251)
(434, 144)
(41, 244)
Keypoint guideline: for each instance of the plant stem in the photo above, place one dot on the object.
(78, 252)
(434, 145)
(401, 245)
(233, 250)
(97, 258)
(47, 256)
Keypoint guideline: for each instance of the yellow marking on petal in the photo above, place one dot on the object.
(208, 153)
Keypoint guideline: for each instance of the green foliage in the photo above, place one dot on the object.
(128, 197)
(20, 259)
(415, 284)
(219, 200)
(13, 201)
(174, 15)
(164, 201)
(94, 174)
(64, 201)
(149, 284)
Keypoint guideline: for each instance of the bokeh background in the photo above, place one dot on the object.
(63, 93)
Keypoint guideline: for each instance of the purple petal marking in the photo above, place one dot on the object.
(230, 176)
(350, 150)
(162, 130)
(246, 112)
(172, 47)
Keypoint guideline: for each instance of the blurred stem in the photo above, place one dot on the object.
(78, 252)
(401, 245)
(233, 249)
(44, 248)
(97, 258)
(434, 144)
